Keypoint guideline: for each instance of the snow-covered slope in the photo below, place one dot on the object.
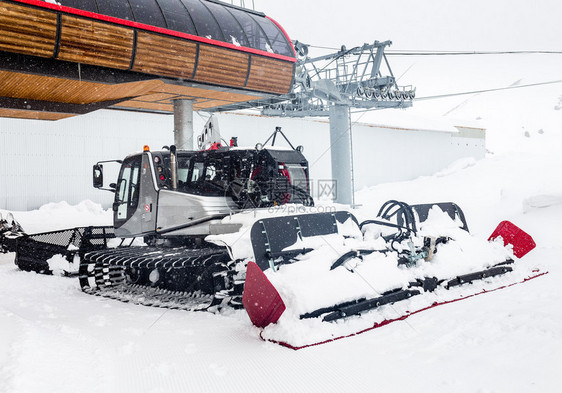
(54, 338)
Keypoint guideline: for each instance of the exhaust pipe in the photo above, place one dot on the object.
(174, 167)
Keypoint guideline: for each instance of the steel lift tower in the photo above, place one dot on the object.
(333, 84)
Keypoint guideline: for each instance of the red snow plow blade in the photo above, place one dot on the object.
(261, 300)
(511, 234)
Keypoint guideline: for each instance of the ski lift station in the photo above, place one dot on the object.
(87, 80)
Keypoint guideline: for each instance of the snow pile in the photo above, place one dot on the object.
(309, 284)
(60, 266)
(541, 202)
(61, 215)
(456, 166)
(305, 332)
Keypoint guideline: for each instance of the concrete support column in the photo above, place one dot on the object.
(342, 158)
(183, 124)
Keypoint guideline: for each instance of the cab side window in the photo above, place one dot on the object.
(197, 172)
(128, 188)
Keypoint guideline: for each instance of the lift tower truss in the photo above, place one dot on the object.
(333, 84)
(360, 78)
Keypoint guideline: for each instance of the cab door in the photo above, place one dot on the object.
(128, 191)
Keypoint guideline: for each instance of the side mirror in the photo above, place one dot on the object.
(98, 175)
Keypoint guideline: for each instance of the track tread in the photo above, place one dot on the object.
(107, 273)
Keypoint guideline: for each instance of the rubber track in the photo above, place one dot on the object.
(189, 279)
(155, 297)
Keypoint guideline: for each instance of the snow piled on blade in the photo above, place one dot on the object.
(309, 284)
(306, 332)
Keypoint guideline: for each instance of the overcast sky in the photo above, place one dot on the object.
(417, 24)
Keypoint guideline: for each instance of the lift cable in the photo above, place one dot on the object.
(454, 53)
(405, 52)
(470, 93)
(487, 90)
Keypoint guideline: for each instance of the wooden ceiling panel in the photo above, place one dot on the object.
(149, 95)
(44, 88)
(208, 93)
(209, 104)
(149, 106)
(21, 114)
(156, 97)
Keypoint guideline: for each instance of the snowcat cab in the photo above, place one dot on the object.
(179, 194)
(174, 199)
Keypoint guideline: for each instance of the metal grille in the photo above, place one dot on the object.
(33, 251)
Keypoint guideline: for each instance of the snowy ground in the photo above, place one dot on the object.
(54, 338)
(57, 339)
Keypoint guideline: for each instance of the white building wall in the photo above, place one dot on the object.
(43, 162)
(381, 153)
